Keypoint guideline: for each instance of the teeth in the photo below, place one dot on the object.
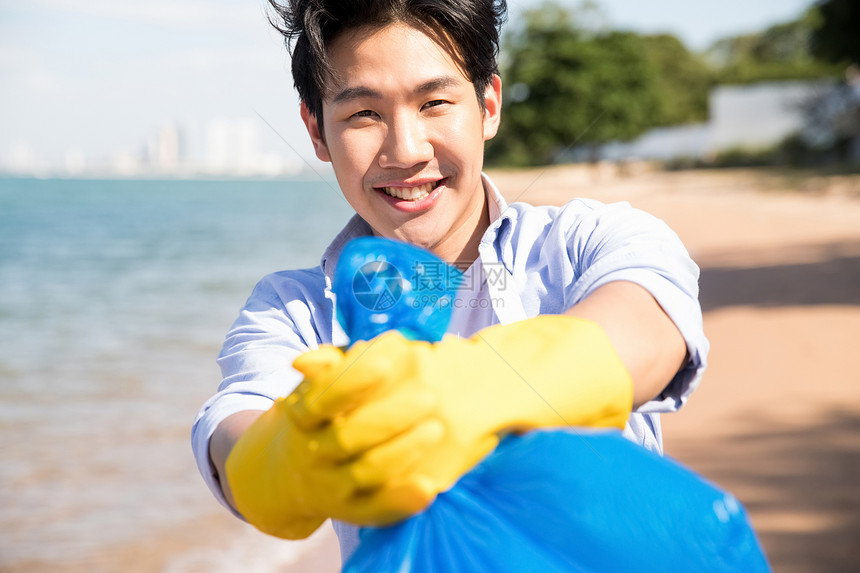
(410, 193)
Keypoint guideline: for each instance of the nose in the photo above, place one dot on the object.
(406, 144)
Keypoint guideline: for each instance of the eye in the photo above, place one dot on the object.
(435, 103)
(364, 113)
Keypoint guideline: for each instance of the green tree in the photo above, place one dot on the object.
(684, 81)
(781, 52)
(568, 85)
(836, 38)
(836, 34)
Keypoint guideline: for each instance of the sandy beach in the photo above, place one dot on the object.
(776, 419)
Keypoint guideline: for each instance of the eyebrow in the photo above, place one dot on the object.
(358, 92)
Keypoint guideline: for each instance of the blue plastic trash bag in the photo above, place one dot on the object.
(569, 501)
(573, 500)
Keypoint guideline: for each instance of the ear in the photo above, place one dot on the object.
(317, 137)
(492, 107)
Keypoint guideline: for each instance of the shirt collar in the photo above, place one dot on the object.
(496, 245)
(496, 203)
(356, 227)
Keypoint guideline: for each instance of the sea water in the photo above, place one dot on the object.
(115, 296)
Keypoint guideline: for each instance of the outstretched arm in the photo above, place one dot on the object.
(645, 338)
(222, 441)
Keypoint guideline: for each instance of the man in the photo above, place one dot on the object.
(595, 313)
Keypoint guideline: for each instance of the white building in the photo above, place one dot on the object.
(164, 148)
(233, 147)
(752, 117)
(758, 116)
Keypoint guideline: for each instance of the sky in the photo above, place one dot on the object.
(96, 77)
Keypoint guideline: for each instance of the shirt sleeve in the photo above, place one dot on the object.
(256, 365)
(616, 242)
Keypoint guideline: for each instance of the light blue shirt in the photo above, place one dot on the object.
(532, 260)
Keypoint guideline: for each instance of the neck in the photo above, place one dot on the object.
(469, 253)
(463, 252)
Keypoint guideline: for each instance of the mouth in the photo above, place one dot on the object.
(412, 193)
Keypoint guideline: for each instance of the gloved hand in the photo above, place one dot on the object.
(401, 420)
(287, 477)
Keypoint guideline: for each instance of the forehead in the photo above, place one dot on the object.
(395, 54)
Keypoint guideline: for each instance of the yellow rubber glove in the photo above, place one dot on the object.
(372, 435)
(287, 477)
(542, 372)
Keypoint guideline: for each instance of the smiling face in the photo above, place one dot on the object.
(405, 134)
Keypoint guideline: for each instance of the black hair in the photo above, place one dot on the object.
(470, 27)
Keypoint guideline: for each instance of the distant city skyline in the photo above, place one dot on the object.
(85, 83)
(231, 147)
